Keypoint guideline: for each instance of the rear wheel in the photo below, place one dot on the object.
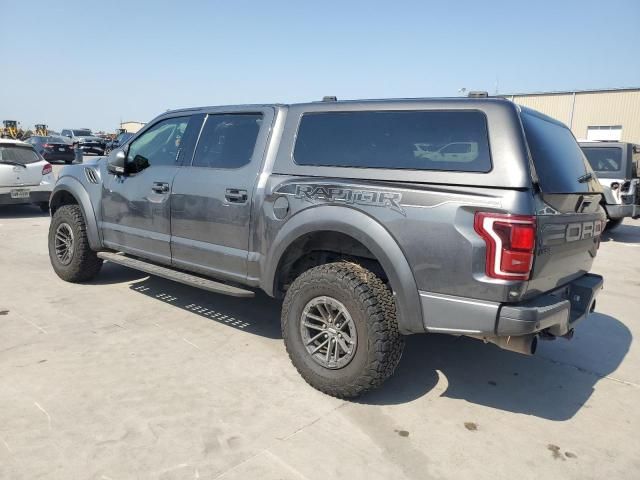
(69, 250)
(340, 330)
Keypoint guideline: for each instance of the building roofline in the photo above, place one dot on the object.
(560, 92)
(132, 121)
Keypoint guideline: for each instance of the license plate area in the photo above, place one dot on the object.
(20, 193)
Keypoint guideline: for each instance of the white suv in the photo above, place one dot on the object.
(25, 177)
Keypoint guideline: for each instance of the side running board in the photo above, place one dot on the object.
(175, 275)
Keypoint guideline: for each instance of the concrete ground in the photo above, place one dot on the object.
(135, 377)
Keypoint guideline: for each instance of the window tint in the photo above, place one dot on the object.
(18, 154)
(82, 133)
(420, 140)
(158, 146)
(227, 141)
(558, 159)
(608, 159)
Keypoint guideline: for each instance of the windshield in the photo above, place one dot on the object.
(82, 133)
(559, 162)
(18, 154)
(605, 160)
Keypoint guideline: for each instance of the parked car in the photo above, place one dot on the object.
(53, 148)
(326, 206)
(451, 152)
(25, 177)
(121, 139)
(85, 141)
(617, 165)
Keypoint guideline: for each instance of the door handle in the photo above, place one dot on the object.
(160, 187)
(234, 195)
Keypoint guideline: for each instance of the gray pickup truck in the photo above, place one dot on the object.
(372, 220)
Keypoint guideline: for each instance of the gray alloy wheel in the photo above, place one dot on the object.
(69, 250)
(64, 243)
(328, 332)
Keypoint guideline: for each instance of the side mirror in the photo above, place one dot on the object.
(115, 163)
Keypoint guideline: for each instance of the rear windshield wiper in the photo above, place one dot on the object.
(9, 162)
(585, 178)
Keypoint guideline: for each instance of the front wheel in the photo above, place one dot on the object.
(340, 329)
(69, 250)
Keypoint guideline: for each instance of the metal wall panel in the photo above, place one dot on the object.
(557, 106)
(592, 108)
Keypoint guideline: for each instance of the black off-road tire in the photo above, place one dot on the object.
(613, 223)
(372, 308)
(84, 264)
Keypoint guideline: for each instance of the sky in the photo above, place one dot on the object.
(92, 64)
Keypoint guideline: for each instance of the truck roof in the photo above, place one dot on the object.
(351, 103)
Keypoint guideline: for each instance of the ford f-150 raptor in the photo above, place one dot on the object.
(335, 207)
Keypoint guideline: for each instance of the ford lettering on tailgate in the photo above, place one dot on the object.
(562, 233)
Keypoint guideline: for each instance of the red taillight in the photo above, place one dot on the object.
(46, 169)
(511, 242)
(47, 145)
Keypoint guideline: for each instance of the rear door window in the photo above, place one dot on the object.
(559, 162)
(227, 140)
(417, 140)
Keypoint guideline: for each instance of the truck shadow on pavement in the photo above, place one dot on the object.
(553, 384)
(628, 232)
(258, 316)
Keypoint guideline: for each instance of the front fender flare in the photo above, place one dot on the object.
(372, 235)
(76, 189)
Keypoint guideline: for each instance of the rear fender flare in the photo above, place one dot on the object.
(372, 235)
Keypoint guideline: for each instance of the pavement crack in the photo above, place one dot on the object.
(590, 372)
(45, 412)
(313, 422)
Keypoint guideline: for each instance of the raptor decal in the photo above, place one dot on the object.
(329, 193)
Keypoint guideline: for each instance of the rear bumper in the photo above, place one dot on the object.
(51, 157)
(556, 312)
(37, 194)
(34, 197)
(621, 211)
(91, 149)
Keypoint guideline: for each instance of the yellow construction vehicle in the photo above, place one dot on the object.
(41, 130)
(11, 130)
